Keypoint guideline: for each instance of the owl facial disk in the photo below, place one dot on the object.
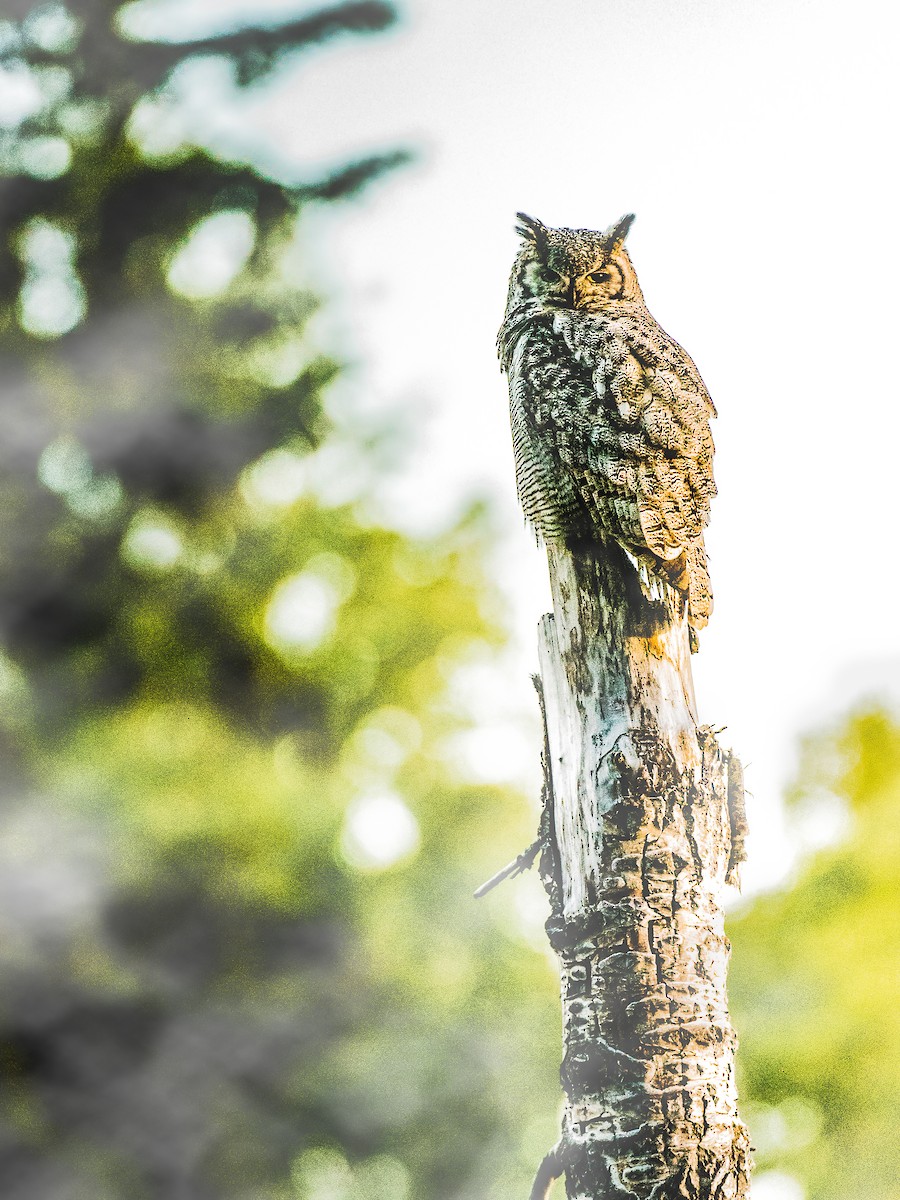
(571, 286)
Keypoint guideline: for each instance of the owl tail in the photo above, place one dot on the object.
(699, 589)
(688, 577)
(684, 581)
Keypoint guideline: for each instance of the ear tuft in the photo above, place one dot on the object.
(532, 230)
(616, 234)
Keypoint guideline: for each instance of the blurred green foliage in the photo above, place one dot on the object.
(815, 977)
(242, 958)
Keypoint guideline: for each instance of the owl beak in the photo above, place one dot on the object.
(577, 292)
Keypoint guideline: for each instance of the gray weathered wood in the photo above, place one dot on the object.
(639, 845)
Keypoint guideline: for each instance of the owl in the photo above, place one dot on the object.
(610, 418)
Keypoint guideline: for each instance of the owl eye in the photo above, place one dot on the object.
(548, 275)
(599, 277)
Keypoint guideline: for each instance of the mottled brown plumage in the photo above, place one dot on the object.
(610, 418)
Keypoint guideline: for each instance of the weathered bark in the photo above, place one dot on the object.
(640, 841)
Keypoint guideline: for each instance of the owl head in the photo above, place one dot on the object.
(576, 268)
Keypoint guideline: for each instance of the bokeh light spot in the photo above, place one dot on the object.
(101, 496)
(153, 543)
(322, 1174)
(49, 307)
(777, 1185)
(45, 157)
(380, 830)
(213, 254)
(52, 299)
(64, 466)
(783, 1128)
(275, 480)
(301, 612)
(20, 95)
(52, 28)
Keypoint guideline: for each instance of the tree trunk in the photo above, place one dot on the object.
(640, 835)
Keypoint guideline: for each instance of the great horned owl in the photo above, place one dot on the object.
(610, 418)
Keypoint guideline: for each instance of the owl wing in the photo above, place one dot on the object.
(653, 347)
(649, 448)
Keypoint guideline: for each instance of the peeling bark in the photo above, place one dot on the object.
(643, 822)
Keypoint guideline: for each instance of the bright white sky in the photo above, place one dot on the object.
(757, 145)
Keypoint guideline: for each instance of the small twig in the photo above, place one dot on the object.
(548, 1172)
(516, 867)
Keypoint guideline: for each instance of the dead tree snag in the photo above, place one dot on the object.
(638, 843)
